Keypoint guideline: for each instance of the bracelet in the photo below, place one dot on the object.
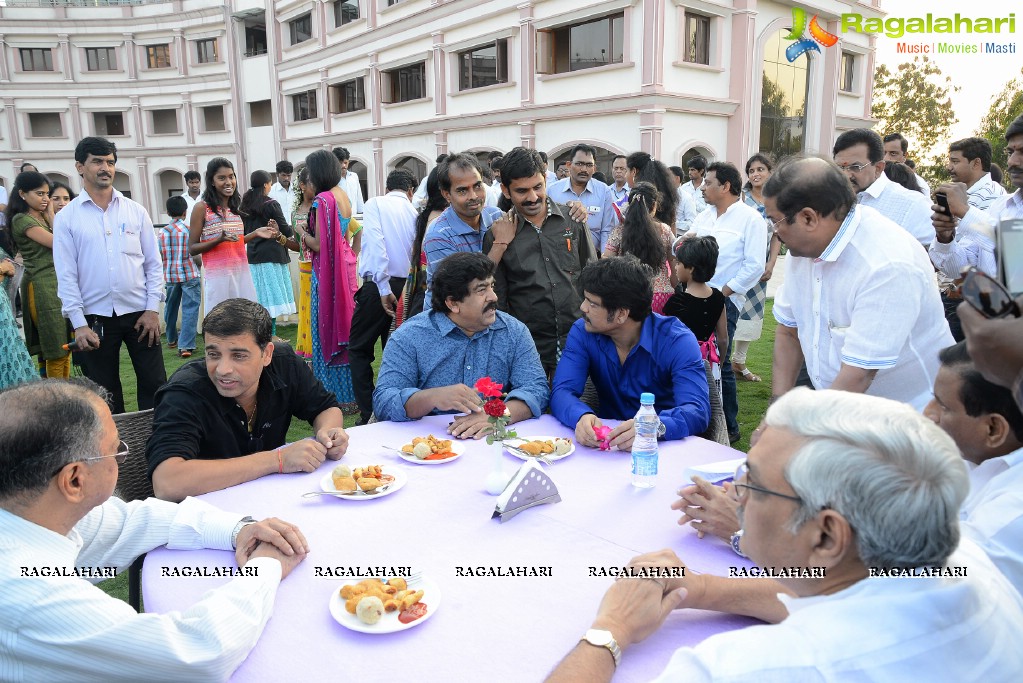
(280, 461)
(503, 244)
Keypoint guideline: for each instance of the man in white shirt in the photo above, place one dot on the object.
(60, 529)
(876, 596)
(860, 154)
(284, 191)
(388, 231)
(859, 302)
(595, 196)
(685, 210)
(969, 162)
(895, 149)
(619, 188)
(742, 257)
(110, 276)
(350, 181)
(987, 426)
(697, 168)
(193, 181)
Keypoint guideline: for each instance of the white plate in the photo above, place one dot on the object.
(519, 440)
(389, 622)
(400, 479)
(457, 447)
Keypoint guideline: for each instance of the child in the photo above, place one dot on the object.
(182, 279)
(699, 306)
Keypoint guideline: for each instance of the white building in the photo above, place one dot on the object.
(397, 82)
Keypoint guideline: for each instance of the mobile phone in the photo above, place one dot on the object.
(941, 199)
(1010, 254)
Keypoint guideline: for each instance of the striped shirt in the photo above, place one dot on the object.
(983, 192)
(449, 234)
(975, 238)
(869, 308)
(178, 265)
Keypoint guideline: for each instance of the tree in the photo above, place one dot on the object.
(1005, 107)
(914, 101)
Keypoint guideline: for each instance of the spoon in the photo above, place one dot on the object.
(375, 491)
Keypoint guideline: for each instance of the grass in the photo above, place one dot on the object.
(753, 399)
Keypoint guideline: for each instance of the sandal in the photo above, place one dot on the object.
(745, 374)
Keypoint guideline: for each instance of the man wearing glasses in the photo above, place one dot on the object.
(859, 303)
(594, 195)
(59, 457)
(897, 597)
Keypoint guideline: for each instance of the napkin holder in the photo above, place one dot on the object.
(531, 486)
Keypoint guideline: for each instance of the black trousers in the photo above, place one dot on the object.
(369, 323)
(952, 316)
(104, 364)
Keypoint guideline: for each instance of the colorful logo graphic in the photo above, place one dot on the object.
(803, 45)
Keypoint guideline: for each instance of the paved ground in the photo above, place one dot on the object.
(777, 278)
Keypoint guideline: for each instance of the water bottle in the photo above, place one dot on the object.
(644, 447)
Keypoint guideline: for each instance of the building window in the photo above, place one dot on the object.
(348, 96)
(303, 106)
(260, 114)
(213, 118)
(158, 56)
(206, 51)
(45, 125)
(404, 84)
(165, 121)
(483, 66)
(345, 12)
(108, 123)
(848, 77)
(301, 28)
(392, 3)
(36, 59)
(101, 58)
(697, 39)
(586, 45)
(255, 40)
(783, 99)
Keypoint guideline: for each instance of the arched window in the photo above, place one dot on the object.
(412, 164)
(783, 99)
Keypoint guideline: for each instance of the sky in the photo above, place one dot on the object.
(980, 76)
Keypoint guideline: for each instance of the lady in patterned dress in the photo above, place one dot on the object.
(335, 245)
(16, 365)
(300, 219)
(216, 231)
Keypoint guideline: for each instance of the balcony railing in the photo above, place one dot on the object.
(80, 3)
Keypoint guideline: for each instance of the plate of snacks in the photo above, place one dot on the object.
(429, 450)
(549, 447)
(375, 606)
(364, 482)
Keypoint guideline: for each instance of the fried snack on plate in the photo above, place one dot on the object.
(345, 484)
(368, 483)
(370, 609)
(398, 583)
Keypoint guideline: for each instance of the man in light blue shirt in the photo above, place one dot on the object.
(595, 196)
(434, 359)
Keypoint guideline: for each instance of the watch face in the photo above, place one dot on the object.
(599, 637)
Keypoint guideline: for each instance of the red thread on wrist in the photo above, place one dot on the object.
(280, 461)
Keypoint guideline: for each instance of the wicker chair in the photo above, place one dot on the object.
(133, 482)
(718, 430)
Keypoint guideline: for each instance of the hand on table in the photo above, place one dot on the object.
(335, 440)
(148, 327)
(632, 609)
(456, 397)
(471, 426)
(708, 509)
(584, 434)
(286, 538)
(622, 436)
(667, 558)
(304, 455)
(288, 562)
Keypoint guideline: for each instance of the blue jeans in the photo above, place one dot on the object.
(188, 294)
(729, 399)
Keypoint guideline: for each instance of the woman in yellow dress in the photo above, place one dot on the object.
(300, 219)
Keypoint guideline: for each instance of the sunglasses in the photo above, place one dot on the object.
(987, 295)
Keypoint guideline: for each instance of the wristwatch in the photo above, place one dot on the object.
(736, 538)
(600, 638)
(242, 523)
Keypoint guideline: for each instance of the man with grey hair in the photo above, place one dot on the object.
(60, 528)
(817, 494)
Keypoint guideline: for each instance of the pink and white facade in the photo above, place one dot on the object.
(261, 80)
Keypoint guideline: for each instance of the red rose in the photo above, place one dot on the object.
(494, 407)
(488, 387)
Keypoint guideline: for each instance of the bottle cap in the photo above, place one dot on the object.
(646, 398)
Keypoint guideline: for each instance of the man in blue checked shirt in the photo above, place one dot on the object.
(434, 359)
(181, 278)
(595, 196)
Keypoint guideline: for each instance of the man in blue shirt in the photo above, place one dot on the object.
(460, 228)
(627, 350)
(434, 359)
(595, 196)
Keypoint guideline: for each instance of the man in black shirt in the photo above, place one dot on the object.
(223, 420)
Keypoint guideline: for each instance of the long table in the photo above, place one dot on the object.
(486, 629)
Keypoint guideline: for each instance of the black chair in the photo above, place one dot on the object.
(133, 482)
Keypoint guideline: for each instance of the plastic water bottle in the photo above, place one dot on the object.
(644, 447)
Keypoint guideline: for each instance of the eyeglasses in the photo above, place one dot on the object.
(742, 488)
(773, 225)
(584, 164)
(855, 168)
(987, 295)
(119, 457)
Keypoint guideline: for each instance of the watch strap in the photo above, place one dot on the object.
(609, 643)
(735, 541)
(242, 523)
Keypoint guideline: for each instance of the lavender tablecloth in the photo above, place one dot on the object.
(486, 629)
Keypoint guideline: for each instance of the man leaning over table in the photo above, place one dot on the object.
(810, 500)
(223, 420)
(59, 456)
(434, 359)
(627, 350)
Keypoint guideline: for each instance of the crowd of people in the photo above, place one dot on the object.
(897, 384)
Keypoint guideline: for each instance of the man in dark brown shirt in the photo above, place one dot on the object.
(538, 268)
